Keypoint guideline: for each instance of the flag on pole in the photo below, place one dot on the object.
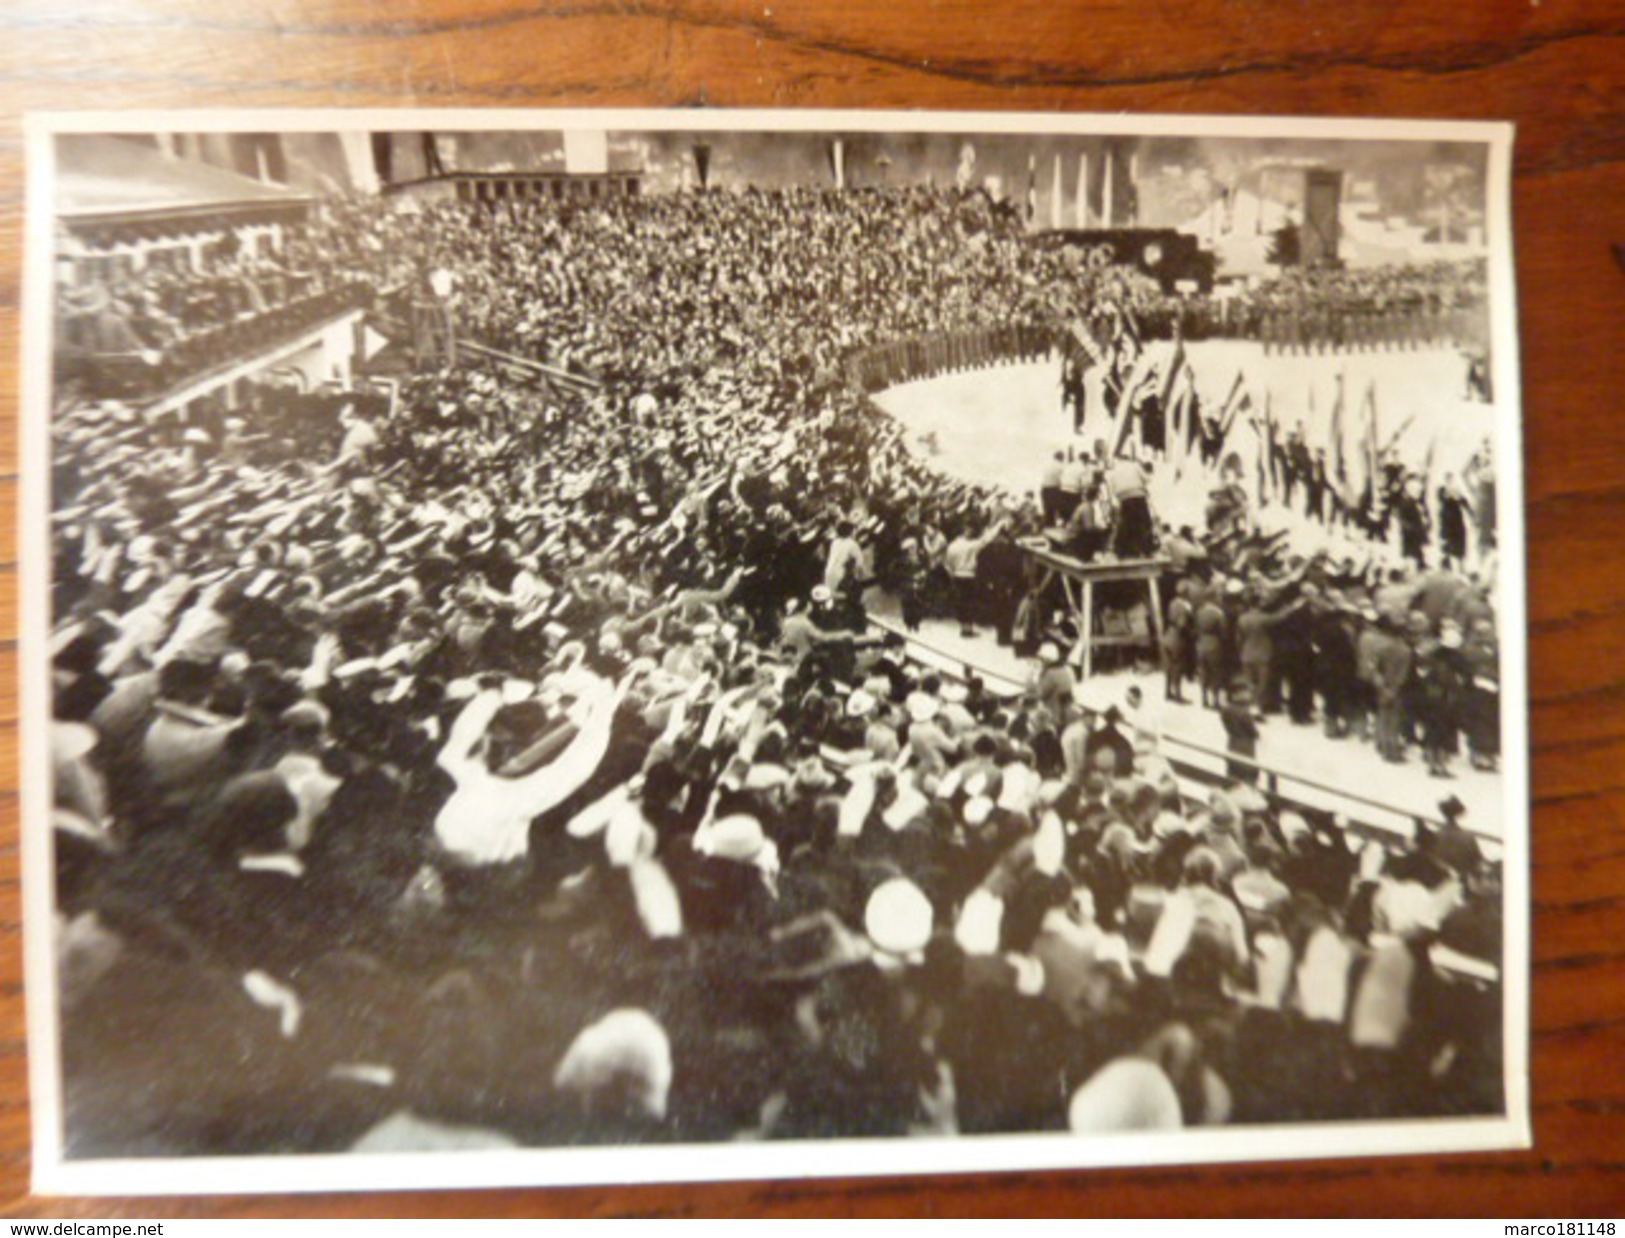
(1237, 402)
(1271, 446)
(1184, 420)
(1393, 439)
(1056, 198)
(1176, 363)
(837, 162)
(1141, 372)
(1130, 416)
(1086, 340)
(1106, 215)
(1260, 427)
(1358, 458)
(1373, 466)
(1127, 328)
(1336, 456)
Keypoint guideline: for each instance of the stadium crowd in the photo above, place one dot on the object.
(128, 331)
(487, 766)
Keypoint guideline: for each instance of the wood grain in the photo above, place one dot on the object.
(1554, 68)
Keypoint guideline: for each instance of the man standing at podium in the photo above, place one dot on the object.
(1136, 536)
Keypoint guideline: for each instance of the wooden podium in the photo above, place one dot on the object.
(1077, 579)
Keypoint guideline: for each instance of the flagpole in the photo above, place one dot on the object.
(1055, 201)
(1106, 194)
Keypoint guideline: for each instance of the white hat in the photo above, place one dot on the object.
(922, 706)
(980, 923)
(626, 1046)
(1049, 652)
(898, 917)
(765, 777)
(737, 837)
(821, 593)
(1126, 1094)
(977, 810)
(70, 741)
(1248, 798)
(860, 704)
(1169, 823)
(1293, 826)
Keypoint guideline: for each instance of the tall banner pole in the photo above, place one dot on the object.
(1106, 216)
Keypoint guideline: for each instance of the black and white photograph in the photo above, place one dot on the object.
(589, 647)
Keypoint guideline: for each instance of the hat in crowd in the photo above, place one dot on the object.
(1248, 798)
(1169, 823)
(860, 704)
(312, 786)
(1293, 826)
(738, 837)
(955, 693)
(980, 923)
(305, 717)
(1049, 653)
(1224, 809)
(821, 593)
(922, 706)
(70, 741)
(898, 917)
(1126, 1094)
(624, 1059)
(765, 776)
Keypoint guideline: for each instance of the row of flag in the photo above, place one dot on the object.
(1352, 437)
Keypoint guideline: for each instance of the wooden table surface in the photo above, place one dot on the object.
(1553, 66)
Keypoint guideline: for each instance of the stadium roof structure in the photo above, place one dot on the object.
(111, 186)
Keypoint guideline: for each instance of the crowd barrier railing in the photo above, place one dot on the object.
(1199, 767)
(550, 377)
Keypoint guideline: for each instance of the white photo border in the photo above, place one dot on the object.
(53, 1174)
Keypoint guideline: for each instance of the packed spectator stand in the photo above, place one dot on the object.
(489, 764)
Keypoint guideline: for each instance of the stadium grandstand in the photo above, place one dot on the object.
(528, 672)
